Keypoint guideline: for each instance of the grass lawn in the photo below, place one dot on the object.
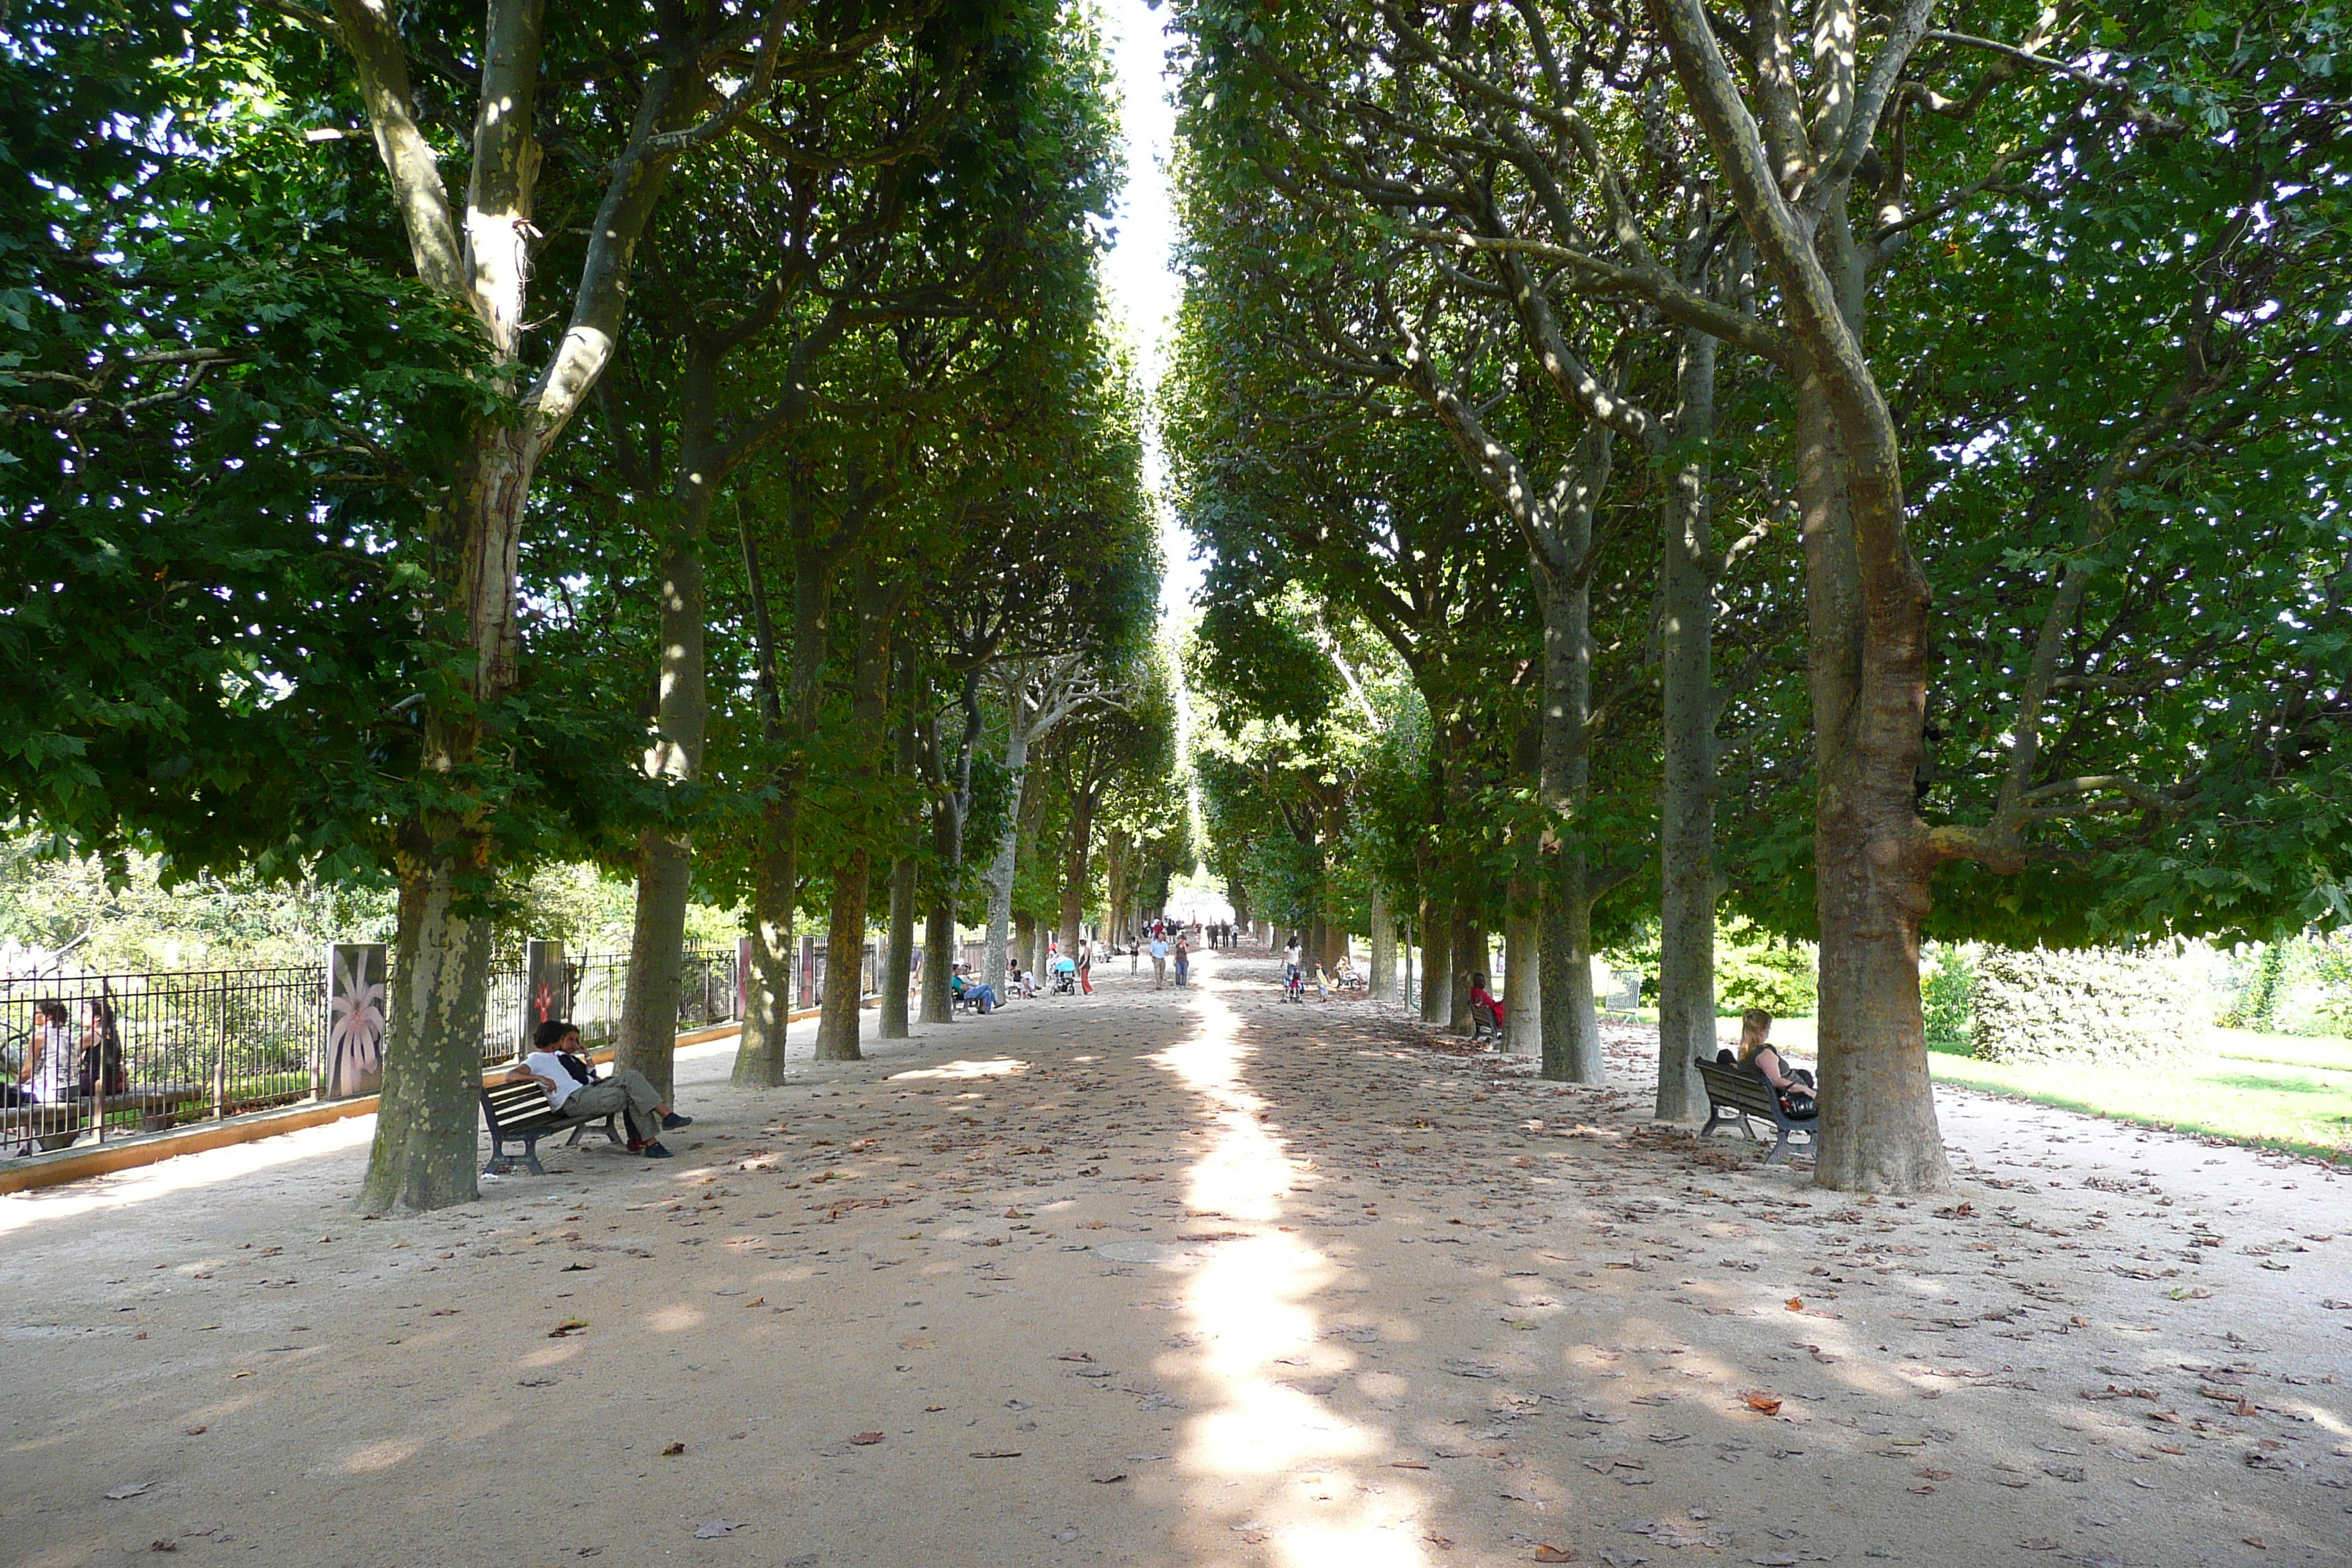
(2277, 1091)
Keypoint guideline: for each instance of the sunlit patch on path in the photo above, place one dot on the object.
(1269, 1459)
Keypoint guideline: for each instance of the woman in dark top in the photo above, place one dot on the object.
(1794, 1085)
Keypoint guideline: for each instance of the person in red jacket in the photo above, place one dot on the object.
(1484, 1001)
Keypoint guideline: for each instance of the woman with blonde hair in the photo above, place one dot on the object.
(1793, 1085)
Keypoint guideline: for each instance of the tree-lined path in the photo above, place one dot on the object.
(1189, 1277)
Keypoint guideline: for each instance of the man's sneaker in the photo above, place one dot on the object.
(672, 1122)
(655, 1151)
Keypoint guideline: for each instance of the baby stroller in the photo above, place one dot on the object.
(1294, 986)
(1066, 982)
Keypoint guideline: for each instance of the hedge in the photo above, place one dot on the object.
(2096, 1003)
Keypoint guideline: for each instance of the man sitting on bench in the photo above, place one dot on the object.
(574, 1090)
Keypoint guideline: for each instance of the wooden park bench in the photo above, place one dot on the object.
(1734, 1094)
(520, 1111)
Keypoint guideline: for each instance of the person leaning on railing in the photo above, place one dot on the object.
(574, 1088)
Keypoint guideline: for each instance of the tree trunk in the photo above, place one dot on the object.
(836, 1023)
(869, 702)
(767, 989)
(898, 957)
(423, 1157)
(1462, 959)
(939, 955)
(898, 965)
(1380, 963)
(1522, 975)
(1572, 1025)
(1687, 792)
(1866, 627)
(1572, 1031)
(1878, 1129)
(1075, 868)
(1025, 943)
(1008, 848)
(1437, 962)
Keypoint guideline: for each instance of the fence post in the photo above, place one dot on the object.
(220, 1055)
(546, 989)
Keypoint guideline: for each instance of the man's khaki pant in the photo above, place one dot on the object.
(627, 1092)
(1158, 973)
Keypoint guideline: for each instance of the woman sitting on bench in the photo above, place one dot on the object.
(1793, 1085)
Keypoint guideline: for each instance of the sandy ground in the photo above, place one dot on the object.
(1187, 1278)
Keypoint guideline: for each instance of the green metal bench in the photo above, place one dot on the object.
(1735, 1094)
(519, 1112)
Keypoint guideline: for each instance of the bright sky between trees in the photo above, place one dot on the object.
(1138, 270)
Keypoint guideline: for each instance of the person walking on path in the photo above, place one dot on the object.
(556, 1062)
(1159, 961)
(1086, 967)
(1184, 964)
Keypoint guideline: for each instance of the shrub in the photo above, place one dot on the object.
(1753, 969)
(1948, 988)
(2096, 1003)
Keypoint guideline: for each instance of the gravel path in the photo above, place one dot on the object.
(1189, 1279)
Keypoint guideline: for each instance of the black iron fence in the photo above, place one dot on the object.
(109, 1053)
(105, 1054)
(597, 984)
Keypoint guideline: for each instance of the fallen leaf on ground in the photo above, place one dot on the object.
(119, 1493)
(1555, 1553)
(2189, 1293)
(673, 1450)
(716, 1527)
(866, 1439)
(1106, 1478)
(1764, 1402)
(2256, 1542)
(1407, 1465)
(1796, 1303)
(996, 1453)
(196, 1431)
(566, 1329)
(163, 1546)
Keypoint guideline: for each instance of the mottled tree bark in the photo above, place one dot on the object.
(1437, 962)
(1522, 972)
(1686, 790)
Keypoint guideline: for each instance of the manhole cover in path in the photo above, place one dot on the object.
(1150, 1252)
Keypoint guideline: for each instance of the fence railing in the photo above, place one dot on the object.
(143, 1052)
(139, 1051)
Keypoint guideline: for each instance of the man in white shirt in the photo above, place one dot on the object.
(573, 1089)
(1159, 962)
